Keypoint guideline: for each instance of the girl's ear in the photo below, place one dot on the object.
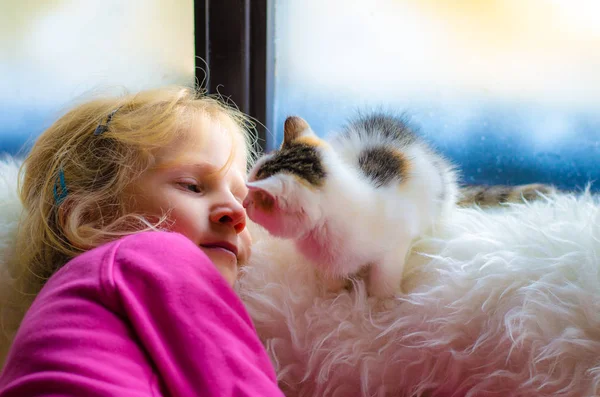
(63, 211)
(294, 128)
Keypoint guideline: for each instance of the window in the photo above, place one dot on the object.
(54, 53)
(508, 89)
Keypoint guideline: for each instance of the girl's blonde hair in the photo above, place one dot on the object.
(96, 170)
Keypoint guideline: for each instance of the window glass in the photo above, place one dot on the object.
(508, 89)
(54, 53)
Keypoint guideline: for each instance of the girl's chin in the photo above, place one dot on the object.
(225, 262)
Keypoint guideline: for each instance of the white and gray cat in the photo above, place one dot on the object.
(361, 197)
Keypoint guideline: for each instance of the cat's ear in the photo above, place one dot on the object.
(263, 193)
(294, 128)
(271, 185)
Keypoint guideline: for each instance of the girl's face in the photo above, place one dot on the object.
(202, 197)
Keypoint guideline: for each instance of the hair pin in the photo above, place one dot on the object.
(102, 128)
(59, 184)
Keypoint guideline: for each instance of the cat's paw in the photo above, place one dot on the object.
(384, 304)
(334, 284)
(385, 289)
(383, 284)
(385, 278)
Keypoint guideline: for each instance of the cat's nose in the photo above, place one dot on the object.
(248, 201)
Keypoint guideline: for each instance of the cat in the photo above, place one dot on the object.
(360, 198)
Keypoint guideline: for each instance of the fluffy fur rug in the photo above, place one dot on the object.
(10, 210)
(500, 303)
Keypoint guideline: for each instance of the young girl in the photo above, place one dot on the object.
(132, 235)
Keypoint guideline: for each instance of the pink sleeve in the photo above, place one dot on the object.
(189, 320)
(148, 315)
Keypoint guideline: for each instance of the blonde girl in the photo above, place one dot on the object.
(132, 235)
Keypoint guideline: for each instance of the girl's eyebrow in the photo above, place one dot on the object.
(199, 167)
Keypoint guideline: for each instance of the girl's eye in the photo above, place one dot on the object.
(192, 187)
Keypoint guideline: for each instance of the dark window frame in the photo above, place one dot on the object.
(234, 56)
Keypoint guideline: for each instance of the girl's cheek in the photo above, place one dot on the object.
(246, 246)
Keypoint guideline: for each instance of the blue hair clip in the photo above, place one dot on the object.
(59, 184)
(102, 128)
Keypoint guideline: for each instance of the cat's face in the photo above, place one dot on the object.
(284, 186)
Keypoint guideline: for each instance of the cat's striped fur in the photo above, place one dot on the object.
(361, 197)
(490, 196)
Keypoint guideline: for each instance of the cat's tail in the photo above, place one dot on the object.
(489, 196)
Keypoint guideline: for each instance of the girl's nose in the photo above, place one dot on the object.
(232, 214)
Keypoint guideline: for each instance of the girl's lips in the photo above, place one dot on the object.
(222, 245)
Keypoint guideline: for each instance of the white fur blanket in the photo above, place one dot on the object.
(500, 303)
(10, 209)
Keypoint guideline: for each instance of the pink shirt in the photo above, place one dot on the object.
(146, 315)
